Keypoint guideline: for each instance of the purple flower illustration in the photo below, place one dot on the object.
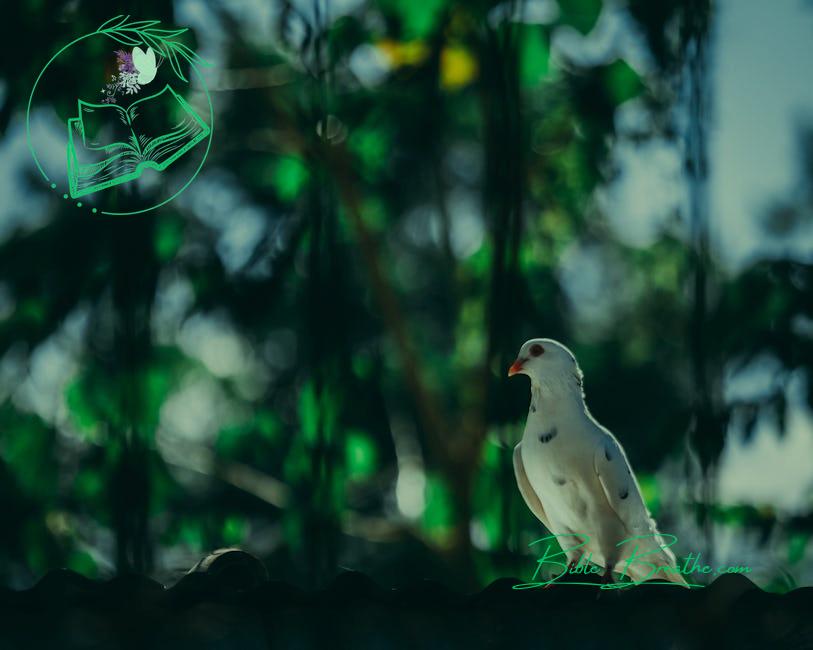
(125, 61)
(125, 82)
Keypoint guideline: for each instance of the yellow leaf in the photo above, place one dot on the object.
(400, 54)
(457, 67)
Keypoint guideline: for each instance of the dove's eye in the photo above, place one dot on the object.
(537, 350)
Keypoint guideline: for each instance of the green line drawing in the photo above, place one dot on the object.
(168, 146)
(123, 160)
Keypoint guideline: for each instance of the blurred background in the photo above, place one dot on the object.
(305, 353)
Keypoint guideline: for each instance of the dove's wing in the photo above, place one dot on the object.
(621, 488)
(525, 489)
(625, 499)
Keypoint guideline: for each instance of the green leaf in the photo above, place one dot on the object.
(479, 263)
(797, 543)
(32, 311)
(82, 562)
(229, 440)
(80, 408)
(115, 21)
(124, 40)
(650, 491)
(438, 516)
(534, 55)
(35, 539)
(308, 412)
(362, 366)
(189, 54)
(290, 177)
(88, 485)
(268, 425)
(143, 24)
(580, 14)
(176, 68)
(167, 34)
(234, 530)
(174, 65)
(168, 239)
(297, 465)
(417, 18)
(158, 382)
(371, 145)
(28, 450)
(622, 82)
(361, 455)
(192, 534)
(154, 43)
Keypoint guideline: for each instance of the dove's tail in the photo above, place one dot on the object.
(677, 578)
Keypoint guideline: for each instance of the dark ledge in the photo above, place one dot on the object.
(228, 602)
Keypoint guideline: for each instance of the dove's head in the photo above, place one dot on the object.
(547, 363)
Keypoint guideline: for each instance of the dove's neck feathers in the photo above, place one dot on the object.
(557, 398)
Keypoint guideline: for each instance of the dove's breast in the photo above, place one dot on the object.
(559, 464)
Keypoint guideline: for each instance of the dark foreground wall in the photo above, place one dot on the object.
(230, 604)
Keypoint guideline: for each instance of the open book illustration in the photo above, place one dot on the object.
(109, 145)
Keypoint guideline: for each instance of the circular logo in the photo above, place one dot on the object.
(134, 130)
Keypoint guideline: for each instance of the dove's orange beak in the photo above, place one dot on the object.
(516, 367)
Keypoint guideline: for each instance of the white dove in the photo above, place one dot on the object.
(575, 477)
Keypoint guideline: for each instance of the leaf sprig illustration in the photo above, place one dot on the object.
(162, 41)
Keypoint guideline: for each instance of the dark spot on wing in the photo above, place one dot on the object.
(547, 437)
(624, 493)
(559, 480)
(533, 408)
(607, 453)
